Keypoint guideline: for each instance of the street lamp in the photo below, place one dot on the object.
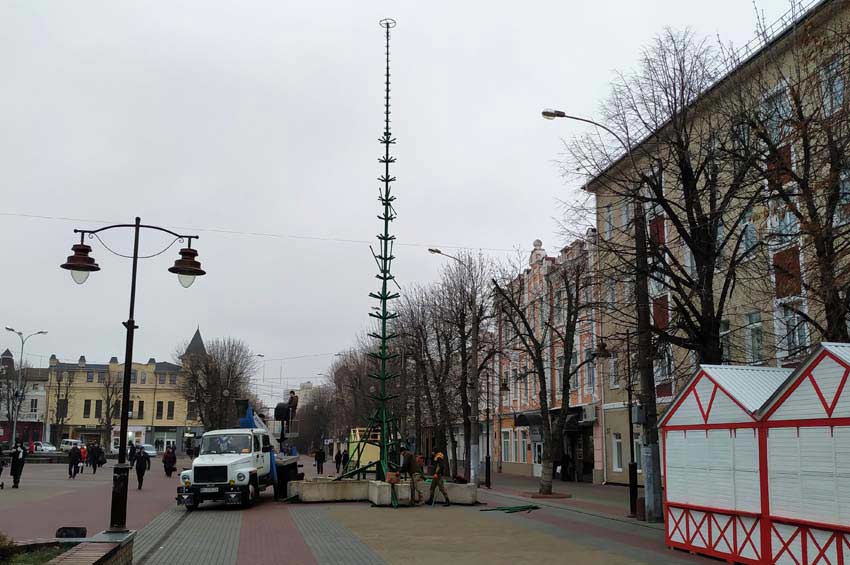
(17, 395)
(81, 265)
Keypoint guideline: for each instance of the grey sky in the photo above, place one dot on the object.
(264, 117)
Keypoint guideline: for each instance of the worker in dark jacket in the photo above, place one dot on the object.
(441, 469)
(320, 461)
(169, 461)
(338, 460)
(410, 466)
(19, 457)
(131, 454)
(143, 464)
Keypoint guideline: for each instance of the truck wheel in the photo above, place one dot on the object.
(251, 496)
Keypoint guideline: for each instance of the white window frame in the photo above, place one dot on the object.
(754, 327)
(506, 440)
(523, 446)
(608, 222)
(589, 372)
(801, 328)
(832, 75)
(617, 458)
(33, 405)
(725, 342)
(613, 371)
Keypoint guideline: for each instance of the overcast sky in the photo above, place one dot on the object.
(264, 117)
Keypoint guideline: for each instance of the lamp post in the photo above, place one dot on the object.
(81, 266)
(17, 395)
(651, 455)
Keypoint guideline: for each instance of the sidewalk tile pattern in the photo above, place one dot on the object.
(206, 535)
(331, 542)
(156, 533)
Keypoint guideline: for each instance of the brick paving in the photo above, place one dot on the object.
(47, 500)
(330, 541)
(209, 536)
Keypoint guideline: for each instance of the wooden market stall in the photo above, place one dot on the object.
(712, 461)
(757, 462)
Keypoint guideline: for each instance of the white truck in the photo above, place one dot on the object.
(233, 465)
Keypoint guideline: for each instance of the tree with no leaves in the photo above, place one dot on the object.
(214, 380)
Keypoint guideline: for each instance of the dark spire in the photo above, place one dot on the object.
(196, 345)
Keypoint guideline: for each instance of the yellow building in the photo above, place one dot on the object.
(80, 396)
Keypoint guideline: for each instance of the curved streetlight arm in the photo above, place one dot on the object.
(188, 238)
(552, 114)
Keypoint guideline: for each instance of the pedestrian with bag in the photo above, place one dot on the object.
(338, 460)
(169, 461)
(142, 464)
(19, 458)
(73, 460)
(441, 469)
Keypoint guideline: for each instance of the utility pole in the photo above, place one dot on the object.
(650, 454)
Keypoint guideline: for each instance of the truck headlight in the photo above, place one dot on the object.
(240, 477)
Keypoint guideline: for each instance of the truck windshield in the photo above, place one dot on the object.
(226, 444)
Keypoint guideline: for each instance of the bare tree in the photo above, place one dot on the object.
(216, 379)
(795, 107)
(63, 387)
(110, 394)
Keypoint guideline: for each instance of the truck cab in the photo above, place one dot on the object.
(233, 465)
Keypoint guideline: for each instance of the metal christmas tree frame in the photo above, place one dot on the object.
(383, 427)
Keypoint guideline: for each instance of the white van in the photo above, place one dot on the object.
(67, 444)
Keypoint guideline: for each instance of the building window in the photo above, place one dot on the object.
(559, 306)
(625, 214)
(62, 408)
(133, 377)
(140, 413)
(523, 446)
(609, 222)
(832, 82)
(33, 405)
(617, 451)
(514, 386)
(725, 342)
(589, 371)
(90, 377)
(784, 226)
(98, 409)
(144, 377)
(749, 238)
(559, 377)
(170, 413)
(506, 445)
(755, 338)
(525, 389)
(192, 410)
(793, 330)
(130, 410)
(34, 386)
(159, 409)
(516, 446)
(614, 370)
(172, 378)
(777, 111)
(162, 379)
(101, 377)
(87, 408)
(842, 208)
(610, 292)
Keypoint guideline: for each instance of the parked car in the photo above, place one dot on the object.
(44, 446)
(149, 449)
(67, 444)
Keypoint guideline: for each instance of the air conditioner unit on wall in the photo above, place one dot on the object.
(589, 413)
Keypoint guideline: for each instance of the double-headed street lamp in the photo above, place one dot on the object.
(18, 393)
(81, 265)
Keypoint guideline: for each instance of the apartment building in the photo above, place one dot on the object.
(83, 402)
(518, 432)
(770, 240)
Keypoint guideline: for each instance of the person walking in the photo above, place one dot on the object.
(83, 454)
(320, 461)
(94, 456)
(169, 461)
(19, 458)
(131, 454)
(441, 469)
(410, 466)
(345, 460)
(338, 460)
(73, 460)
(142, 464)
